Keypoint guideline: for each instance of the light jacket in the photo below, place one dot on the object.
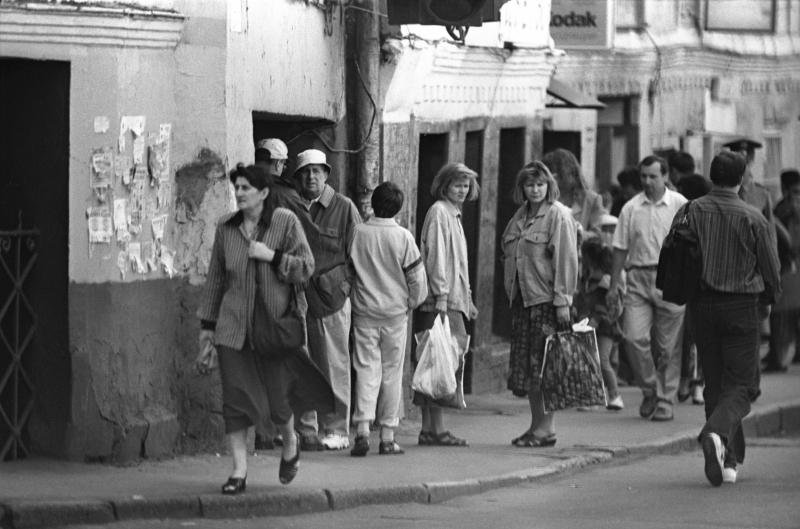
(444, 251)
(540, 256)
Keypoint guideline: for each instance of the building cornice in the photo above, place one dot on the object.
(89, 26)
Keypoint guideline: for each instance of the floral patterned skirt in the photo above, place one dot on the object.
(530, 327)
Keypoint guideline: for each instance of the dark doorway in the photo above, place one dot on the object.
(617, 140)
(512, 158)
(471, 219)
(34, 190)
(562, 139)
(433, 152)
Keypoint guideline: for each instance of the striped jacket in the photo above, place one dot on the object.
(230, 289)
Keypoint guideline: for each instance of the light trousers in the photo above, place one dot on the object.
(328, 345)
(378, 355)
(653, 331)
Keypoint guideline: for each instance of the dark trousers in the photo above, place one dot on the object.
(726, 329)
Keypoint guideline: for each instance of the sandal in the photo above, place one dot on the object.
(448, 439)
(234, 485)
(426, 438)
(529, 440)
(389, 448)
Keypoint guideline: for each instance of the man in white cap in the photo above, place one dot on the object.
(328, 295)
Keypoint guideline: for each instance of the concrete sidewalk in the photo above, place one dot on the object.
(43, 492)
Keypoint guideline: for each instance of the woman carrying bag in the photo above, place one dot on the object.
(540, 274)
(253, 313)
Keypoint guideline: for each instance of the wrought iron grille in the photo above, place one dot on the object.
(18, 253)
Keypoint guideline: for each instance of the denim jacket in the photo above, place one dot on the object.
(540, 256)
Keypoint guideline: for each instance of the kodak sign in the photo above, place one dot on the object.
(581, 23)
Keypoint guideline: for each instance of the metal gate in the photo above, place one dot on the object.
(18, 252)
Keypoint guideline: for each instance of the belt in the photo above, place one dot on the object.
(640, 267)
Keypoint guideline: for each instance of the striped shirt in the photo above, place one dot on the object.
(229, 296)
(739, 256)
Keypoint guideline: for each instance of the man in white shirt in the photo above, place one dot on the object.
(653, 327)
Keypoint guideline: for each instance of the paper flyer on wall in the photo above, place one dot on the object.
(101, 124)
(149, 255)
(158, 159)
(122, 169)
(138, 150)
(135, 257)
(99, 223)
(164, 194)
(122, 263)
(168, 261)
(102, 167)
(158, 223)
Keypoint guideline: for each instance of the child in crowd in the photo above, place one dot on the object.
(390, 281)
(590, 302)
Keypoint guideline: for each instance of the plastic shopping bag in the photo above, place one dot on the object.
(435, 375)
(570, 375)
(456, 400)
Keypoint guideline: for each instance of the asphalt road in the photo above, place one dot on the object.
(661, 492)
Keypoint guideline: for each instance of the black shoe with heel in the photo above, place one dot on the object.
(234, 485)
(287, 470)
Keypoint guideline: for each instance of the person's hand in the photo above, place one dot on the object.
(473, 310)
(207, 359)
(563, 318)
(259, 250)
(441, 306)
(764, 311)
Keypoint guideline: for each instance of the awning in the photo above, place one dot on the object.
(562, 96)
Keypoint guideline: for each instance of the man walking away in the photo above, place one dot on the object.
(741, 275)
(652, 327)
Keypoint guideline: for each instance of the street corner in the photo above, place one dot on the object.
(38, 514)
(267, 503)
(348, 498)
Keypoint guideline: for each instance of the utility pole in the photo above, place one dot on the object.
(364, 65)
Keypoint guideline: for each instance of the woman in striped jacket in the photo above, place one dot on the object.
(260, 256)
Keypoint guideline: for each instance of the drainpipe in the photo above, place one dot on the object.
(364, 65)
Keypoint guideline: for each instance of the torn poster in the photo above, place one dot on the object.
(138, 150)
(149, 206)
(164, 131)
(164, 194)
(158, 224)
(168, 261)
(135, 257)
(102, 167)
(122, 169)
(134, 124)
(121, 219)
(149, 256)
(101, 124)
(122, 262)
(140, 173)
(99, 221)
(135, 221)
(158, 159)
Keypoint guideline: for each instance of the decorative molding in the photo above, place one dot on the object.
(89, 26)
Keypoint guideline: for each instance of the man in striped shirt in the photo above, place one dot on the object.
(740, 277)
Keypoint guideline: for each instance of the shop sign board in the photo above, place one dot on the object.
(582, 23)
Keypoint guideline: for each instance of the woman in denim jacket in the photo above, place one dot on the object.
(540, 257)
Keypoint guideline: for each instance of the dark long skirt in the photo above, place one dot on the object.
(254, 387)
(530, 328)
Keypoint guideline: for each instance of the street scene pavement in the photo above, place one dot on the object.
(41, 492)
(660, 492)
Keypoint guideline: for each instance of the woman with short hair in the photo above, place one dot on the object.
(259, 258)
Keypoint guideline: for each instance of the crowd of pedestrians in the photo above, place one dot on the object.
(336, 293)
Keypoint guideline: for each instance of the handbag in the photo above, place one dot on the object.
(276, 337)
(570, 373)
(680, 263)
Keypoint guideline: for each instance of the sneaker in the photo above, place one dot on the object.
(663, 413)
(714, 454)
(361, 446)
(648, 407)
(309, 442)
(697, 395)
(615, 404)
(335, 441)
(728, 474)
